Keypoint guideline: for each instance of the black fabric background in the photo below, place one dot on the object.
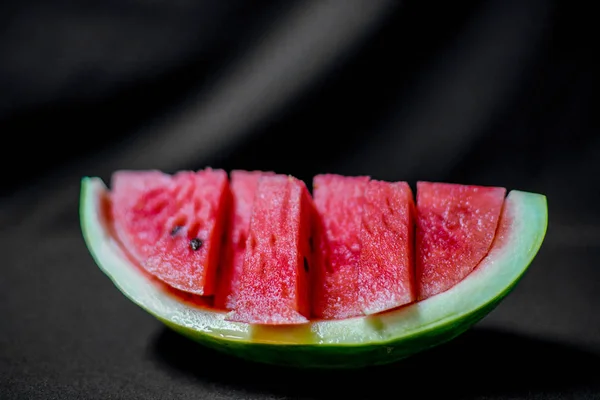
(497, 92)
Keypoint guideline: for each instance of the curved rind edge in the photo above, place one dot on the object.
(357, 342)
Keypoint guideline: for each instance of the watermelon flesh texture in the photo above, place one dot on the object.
(386, 269)
(339, 202)
(173, 224)
(456, 225)
(274, 284)
(243, 186)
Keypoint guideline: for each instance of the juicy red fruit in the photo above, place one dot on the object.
(275, 275)
(243, 189)
(173, 224)
(386, 271)
(339, 202)
(456, 225)
(272, 255)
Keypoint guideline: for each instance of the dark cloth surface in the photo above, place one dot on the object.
(494, 93)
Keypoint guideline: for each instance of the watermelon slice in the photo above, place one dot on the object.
(243, 188)
(339, 202)
(386, 271)
(172, 224)
(456, 225)
(327, 343)
(274, 280)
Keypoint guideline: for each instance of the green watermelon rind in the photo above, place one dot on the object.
(350, 343)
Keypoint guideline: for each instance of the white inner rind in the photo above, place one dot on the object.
(504, 264)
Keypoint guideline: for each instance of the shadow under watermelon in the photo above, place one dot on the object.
(481, 362)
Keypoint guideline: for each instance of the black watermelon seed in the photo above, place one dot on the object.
(195, 244)
(305, 264)
(176, 230)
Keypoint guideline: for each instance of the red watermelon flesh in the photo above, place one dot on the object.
(386, 270)
(243, 188)
(339, 202)
(173, 224)
(274, 284)
(456, 225)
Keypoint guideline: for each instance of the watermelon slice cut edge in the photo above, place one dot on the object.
(347, 343)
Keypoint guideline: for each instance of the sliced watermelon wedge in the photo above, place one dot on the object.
(352, 342)
(456, 225)
(173, 224)
(274, 281)
(386, 269)
(243, 188)
(339, 201)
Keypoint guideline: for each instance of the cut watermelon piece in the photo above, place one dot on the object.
(456, 225)
(173, 224)
(274, 281)
(339, 202)
(345, 343)
(243, 188)
(386, 277)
